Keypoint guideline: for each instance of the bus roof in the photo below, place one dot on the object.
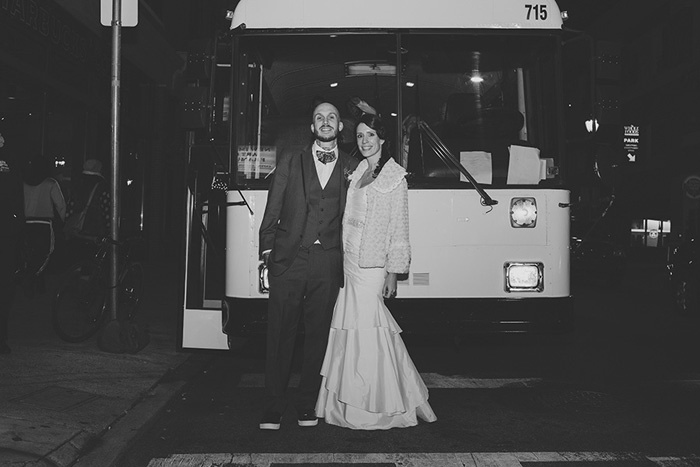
(383, 14)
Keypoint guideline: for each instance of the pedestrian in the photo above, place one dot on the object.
(369, 381)
(11, 222)
(300, 242)
(44, 212)
(89, 190)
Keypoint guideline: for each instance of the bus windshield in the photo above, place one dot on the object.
(485, 100)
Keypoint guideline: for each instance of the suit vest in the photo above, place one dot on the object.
(323, 211)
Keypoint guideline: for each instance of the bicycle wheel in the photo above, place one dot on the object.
(130, 289)
(79, 304)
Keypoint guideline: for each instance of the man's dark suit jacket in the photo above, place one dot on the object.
(284, 220)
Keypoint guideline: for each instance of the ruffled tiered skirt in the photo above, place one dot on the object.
(369, 380)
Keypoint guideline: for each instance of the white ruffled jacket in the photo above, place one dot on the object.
(385, 240)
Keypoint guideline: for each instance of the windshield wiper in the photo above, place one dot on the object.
(445, 155)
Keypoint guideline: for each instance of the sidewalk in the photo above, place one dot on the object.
(61, 402)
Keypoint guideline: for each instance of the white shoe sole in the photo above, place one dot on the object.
(269, 426)
(308, 422)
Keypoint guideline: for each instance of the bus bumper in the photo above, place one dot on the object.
(242, 317)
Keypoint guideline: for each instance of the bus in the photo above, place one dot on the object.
(472, 92)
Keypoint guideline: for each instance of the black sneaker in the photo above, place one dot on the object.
(308, 418)
(271, 421)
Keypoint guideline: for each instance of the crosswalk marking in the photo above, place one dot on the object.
(456, 459)
(438, 381)
(432, 380)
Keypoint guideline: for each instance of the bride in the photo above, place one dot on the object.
(369, 381)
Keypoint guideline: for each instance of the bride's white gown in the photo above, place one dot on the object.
(369, 381)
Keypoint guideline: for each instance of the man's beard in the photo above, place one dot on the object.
(326, 139)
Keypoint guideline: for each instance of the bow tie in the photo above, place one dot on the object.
(325, 157)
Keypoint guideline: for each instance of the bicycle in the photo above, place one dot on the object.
(80, 304)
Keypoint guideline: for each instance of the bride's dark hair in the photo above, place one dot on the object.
(376, 123)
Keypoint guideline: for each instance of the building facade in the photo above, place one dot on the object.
(55, 82)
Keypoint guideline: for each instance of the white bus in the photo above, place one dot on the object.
(472, 90)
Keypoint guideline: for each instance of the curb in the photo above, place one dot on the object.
(120, 435)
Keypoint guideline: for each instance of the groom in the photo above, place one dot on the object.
(300, 241)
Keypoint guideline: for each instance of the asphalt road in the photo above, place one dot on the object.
(627, 381)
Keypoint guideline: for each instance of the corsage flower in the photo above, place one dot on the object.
(347, 175)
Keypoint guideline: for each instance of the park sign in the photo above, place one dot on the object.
(630, 141)
(130, 12)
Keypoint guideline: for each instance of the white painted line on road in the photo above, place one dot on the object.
(438, 381)
(675, 461)
(456, 459)
(683, 382)
(432, 380)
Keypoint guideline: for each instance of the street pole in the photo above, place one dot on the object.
(115, 188)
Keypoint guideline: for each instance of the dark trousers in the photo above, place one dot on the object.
(39, 242)
(308, 289)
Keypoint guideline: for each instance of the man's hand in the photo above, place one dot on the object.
(265, 257)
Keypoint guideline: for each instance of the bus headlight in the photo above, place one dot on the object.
(523, 212)
(264, 281)
(524, 277)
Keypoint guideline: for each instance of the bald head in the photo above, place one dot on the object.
(326, 123)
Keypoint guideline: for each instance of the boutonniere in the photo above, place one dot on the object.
(347, 175)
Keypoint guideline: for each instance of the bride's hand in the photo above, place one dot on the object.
(389, 290)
